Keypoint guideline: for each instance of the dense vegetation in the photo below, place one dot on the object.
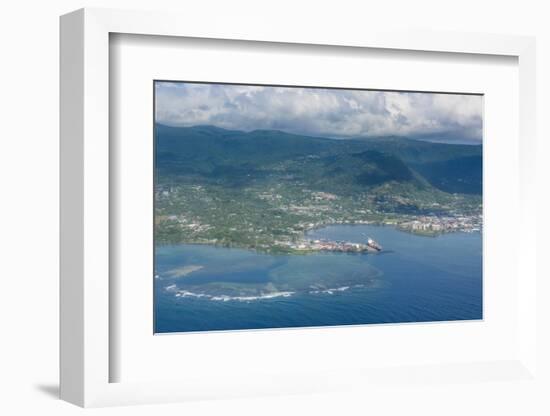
(257, 189)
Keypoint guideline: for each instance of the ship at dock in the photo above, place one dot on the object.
(371, 243)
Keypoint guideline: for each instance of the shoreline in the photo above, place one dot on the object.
(282, 250)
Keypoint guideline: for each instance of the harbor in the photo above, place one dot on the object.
(314, 245)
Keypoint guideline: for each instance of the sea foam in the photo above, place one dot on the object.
(330, 291)
(226, 298)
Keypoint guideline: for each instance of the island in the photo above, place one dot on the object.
(265, 190)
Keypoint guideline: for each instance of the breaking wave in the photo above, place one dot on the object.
(181, 293)
(226, 298)
(329, 291)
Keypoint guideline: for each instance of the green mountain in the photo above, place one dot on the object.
(238, 158)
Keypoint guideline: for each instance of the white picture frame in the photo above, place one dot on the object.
(86, 265)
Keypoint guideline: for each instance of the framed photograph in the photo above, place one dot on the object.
(287, 206)
(278, 212)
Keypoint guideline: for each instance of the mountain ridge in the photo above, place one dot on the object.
(426, 138)
(217, 152)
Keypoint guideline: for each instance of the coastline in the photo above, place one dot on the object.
(285, 249)
(241, 288)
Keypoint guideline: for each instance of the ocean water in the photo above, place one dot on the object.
(414, 279)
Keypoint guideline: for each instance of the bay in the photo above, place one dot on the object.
(414, 279)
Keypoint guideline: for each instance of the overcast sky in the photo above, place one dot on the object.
(321, 112)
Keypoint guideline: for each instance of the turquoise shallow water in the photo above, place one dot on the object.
(415, 279)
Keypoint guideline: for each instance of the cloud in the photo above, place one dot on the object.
(321, 112)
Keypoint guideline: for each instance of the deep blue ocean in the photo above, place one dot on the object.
(414, 279)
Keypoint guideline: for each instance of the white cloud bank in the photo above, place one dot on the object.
(322, 112)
